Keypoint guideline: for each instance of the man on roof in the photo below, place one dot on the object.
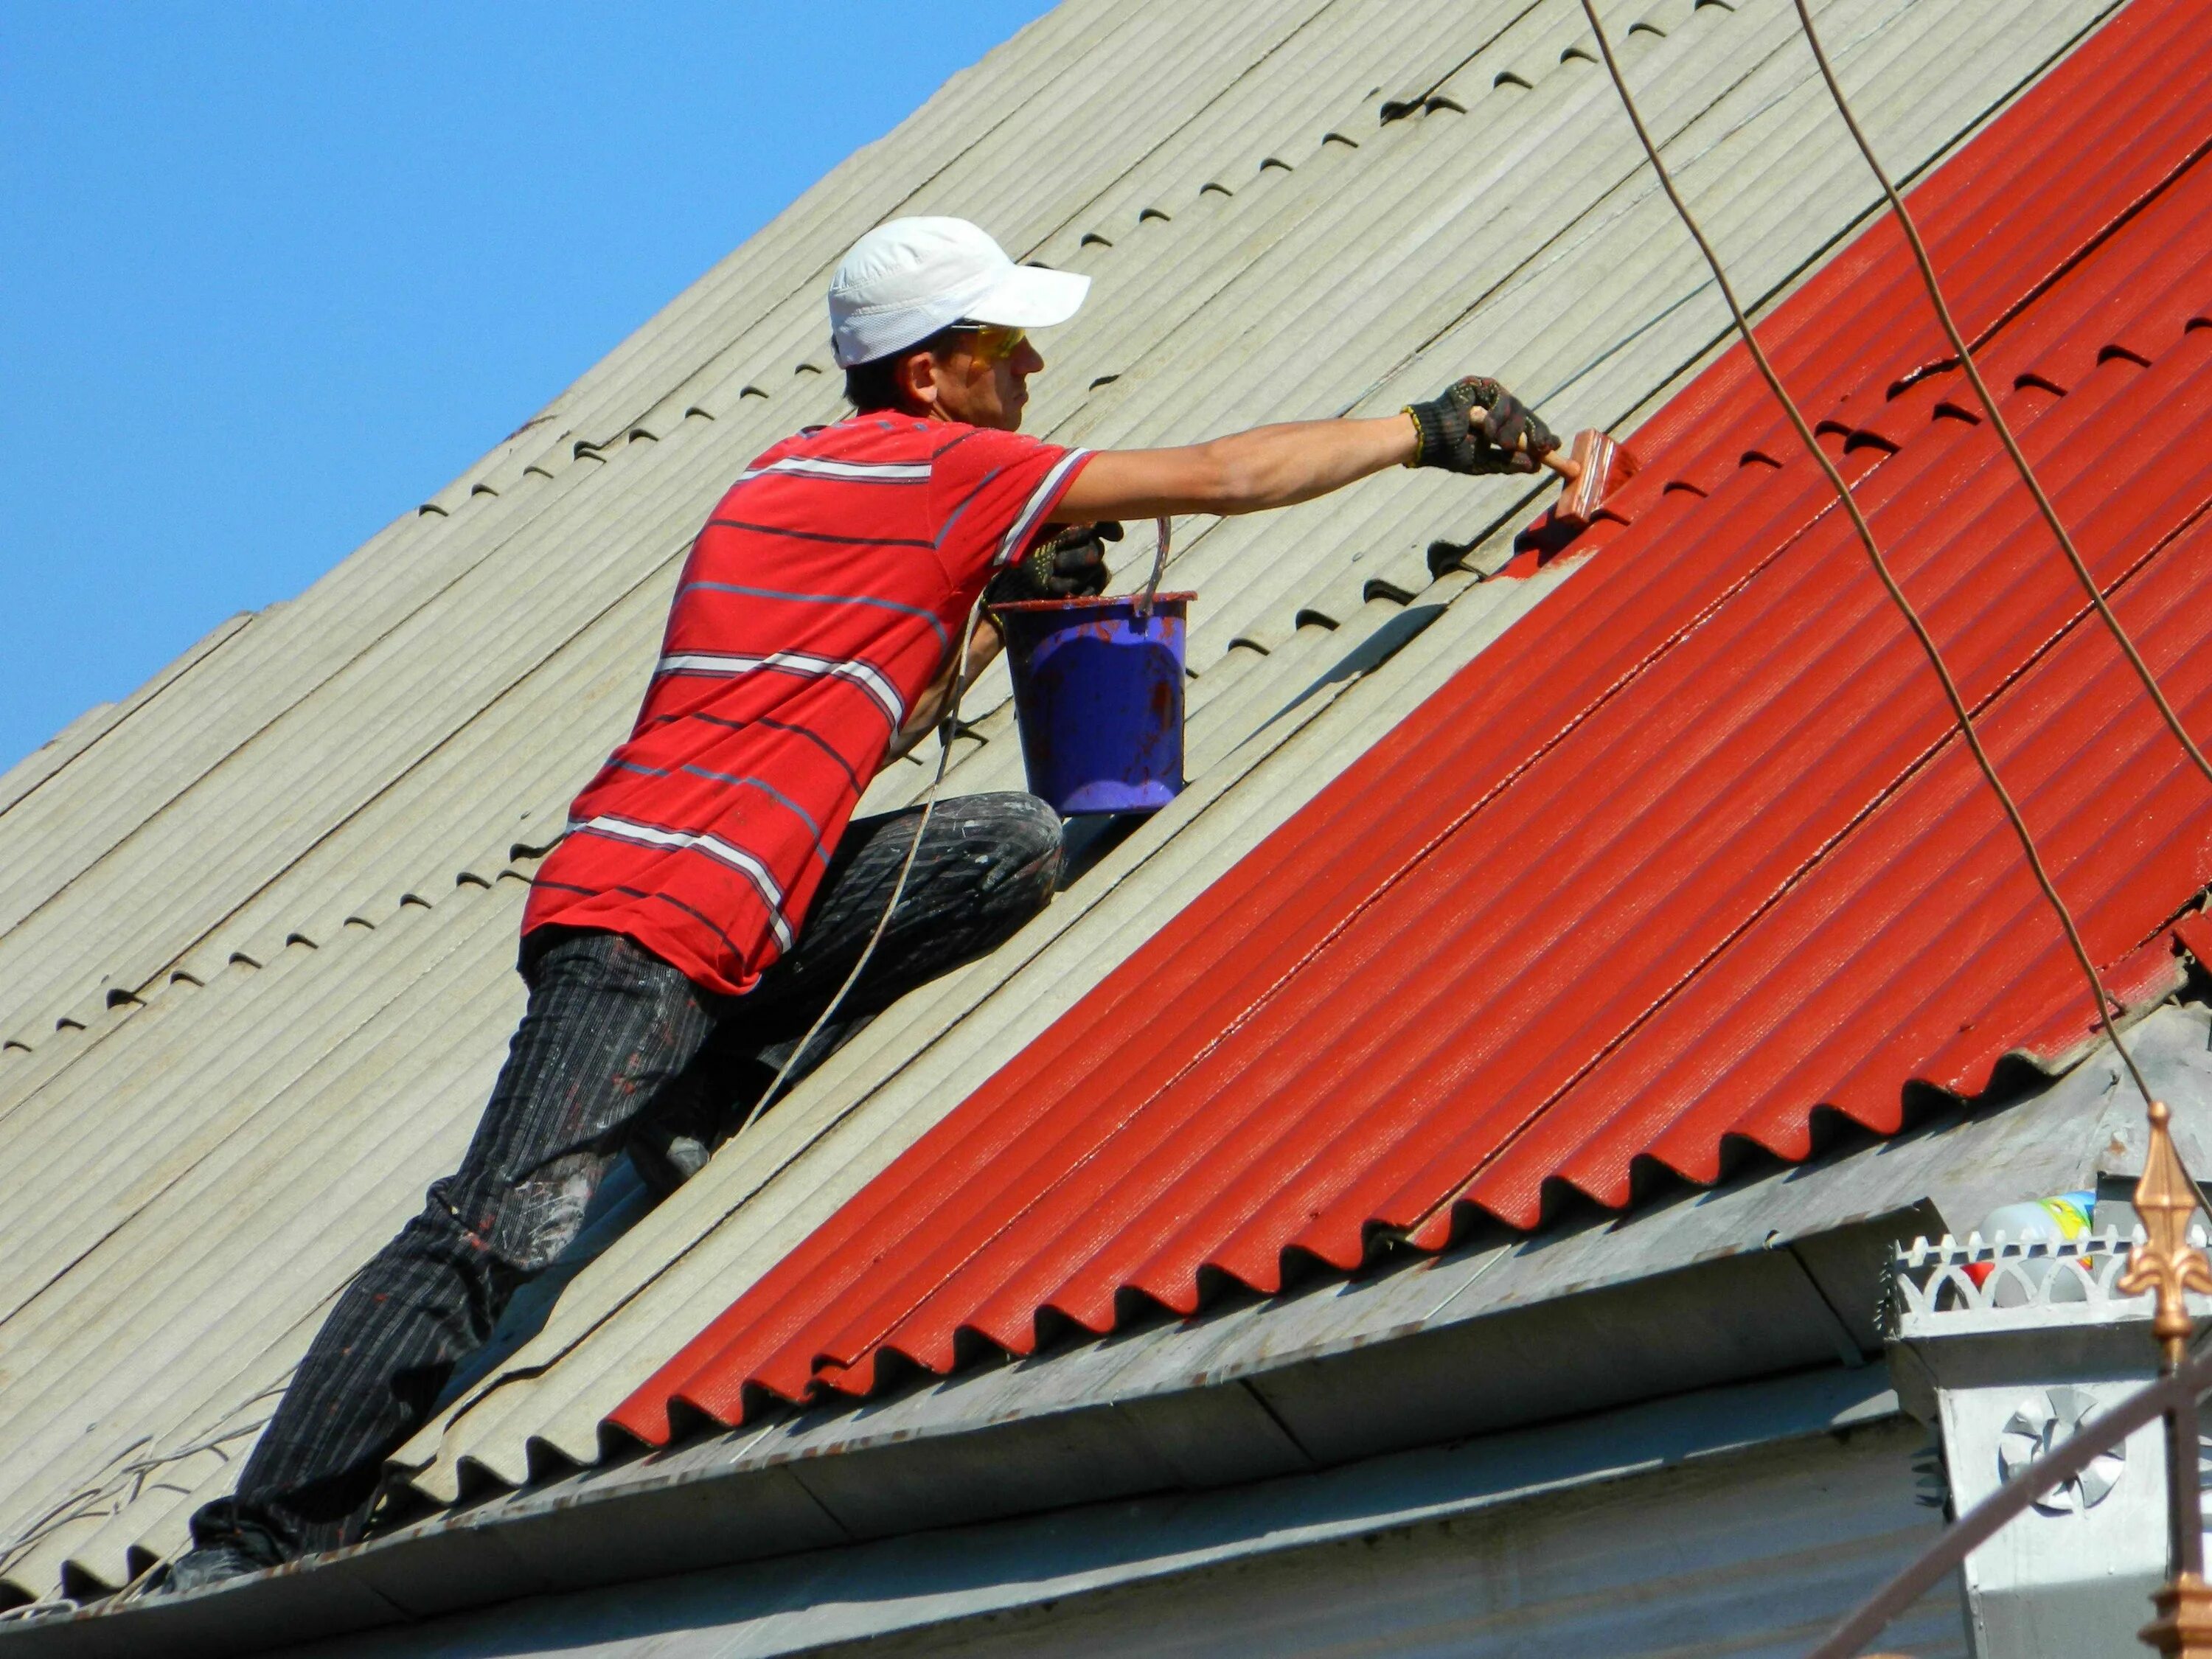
(713, 891)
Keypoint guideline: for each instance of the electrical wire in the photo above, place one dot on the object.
(946, 729)
(1981, 390)
(1882, 571)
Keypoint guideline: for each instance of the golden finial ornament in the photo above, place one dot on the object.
(2165, 1262)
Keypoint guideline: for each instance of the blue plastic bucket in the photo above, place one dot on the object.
(1098, 696)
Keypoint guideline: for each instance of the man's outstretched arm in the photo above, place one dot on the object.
(1473, 426)
(1245, 472)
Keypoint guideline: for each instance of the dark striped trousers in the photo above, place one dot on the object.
(617, 1055)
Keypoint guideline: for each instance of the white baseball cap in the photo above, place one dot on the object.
(905, 280)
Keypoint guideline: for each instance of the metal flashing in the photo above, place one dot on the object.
(817, 1591)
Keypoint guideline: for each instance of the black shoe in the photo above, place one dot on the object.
(673, 1144)
(665, 1158)
(206, 1565)
(225, 1544)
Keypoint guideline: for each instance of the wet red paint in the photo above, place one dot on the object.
(1690, 853)
(1101, 602)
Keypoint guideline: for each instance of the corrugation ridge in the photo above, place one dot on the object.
(2099, 537)
(1602, 1166)
(1915, 851)
(2021, 143)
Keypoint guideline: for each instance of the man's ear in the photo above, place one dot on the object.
(915, 376)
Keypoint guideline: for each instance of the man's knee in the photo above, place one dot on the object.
(1026, 846)
(540, 1216)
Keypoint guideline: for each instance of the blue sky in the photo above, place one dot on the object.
(273, 273)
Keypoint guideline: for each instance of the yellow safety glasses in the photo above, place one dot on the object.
(993, 342)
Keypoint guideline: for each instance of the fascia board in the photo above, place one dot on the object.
(799, 1602)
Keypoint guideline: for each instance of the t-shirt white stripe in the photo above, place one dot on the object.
(867, 677)
(713, 846)
(1018, 534)
(812, 466)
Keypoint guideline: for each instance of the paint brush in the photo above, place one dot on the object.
(1592, 466)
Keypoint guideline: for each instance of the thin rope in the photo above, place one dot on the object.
(1997, 416)
(485, 1387)
(1889, 582)
(946, 731)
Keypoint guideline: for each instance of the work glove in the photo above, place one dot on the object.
(1071, 565)
(1476, 425)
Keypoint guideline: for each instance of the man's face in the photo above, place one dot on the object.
(982, 377)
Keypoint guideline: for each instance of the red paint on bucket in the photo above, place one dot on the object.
(1098, 697)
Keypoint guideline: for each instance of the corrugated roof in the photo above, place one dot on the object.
(1691, 853)
(1601, 298)
(257, 921)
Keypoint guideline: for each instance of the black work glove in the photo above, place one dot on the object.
(1476, 425)
(1071, 565)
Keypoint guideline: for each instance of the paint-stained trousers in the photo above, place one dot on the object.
(618, 1053)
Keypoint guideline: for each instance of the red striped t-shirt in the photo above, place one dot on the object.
(824, 596)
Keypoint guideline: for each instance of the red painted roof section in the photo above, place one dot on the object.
(1690, 852)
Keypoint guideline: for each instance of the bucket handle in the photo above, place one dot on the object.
(1159, 569)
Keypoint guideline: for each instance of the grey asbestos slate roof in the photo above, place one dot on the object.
(257, 921)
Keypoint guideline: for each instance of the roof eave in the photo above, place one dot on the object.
(1769, 1275)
